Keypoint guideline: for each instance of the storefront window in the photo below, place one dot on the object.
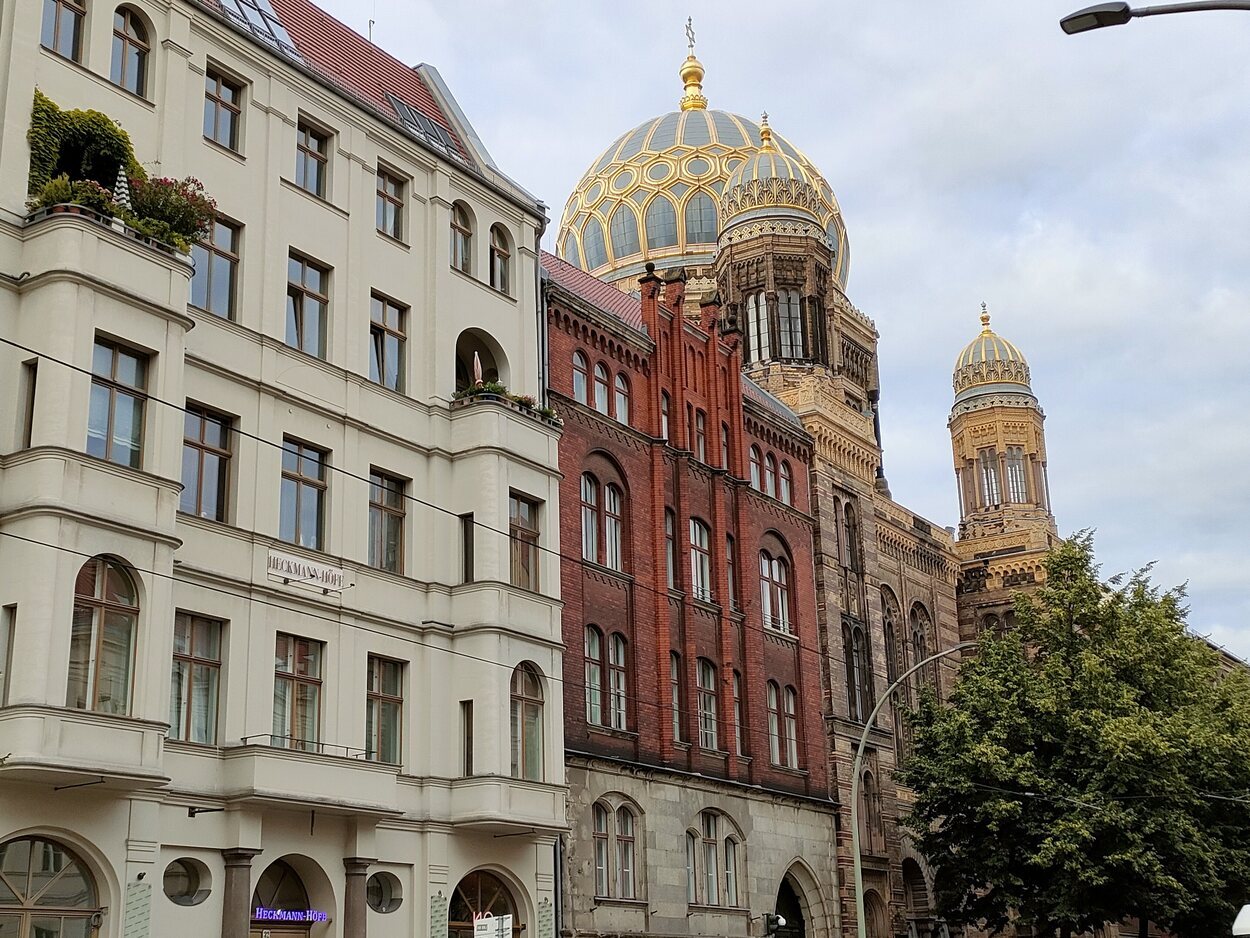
(45, 890)
(477, 894)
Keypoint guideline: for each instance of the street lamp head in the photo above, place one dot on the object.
(1096, 17)
(1242, 925)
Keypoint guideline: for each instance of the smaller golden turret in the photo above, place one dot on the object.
(985, 320)
(692, 75)
(766, 133)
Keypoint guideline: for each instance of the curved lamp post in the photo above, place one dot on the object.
(1117, 14)
(857, 767)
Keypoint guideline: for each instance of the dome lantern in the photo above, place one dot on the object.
(692, 75)
(990, 364)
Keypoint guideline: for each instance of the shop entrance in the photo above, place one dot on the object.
(280, 906)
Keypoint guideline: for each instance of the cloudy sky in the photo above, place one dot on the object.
(1094, 190)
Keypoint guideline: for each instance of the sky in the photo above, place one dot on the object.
(1094, 190)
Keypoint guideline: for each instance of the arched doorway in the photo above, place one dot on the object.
(491, 361)
(478, 893)
(876, 917)
(280, 906)
(791, 909)
(916, 897)
(46, 890)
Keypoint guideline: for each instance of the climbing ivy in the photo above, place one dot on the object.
(78, 144)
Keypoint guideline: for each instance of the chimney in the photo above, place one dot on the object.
(649, 286)
(675, 291)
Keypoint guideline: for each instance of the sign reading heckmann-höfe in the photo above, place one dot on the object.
(298, 570)
(261, 914)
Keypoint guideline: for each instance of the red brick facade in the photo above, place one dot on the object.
(693, 370)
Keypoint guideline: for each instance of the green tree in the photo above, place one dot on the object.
(1091, 765)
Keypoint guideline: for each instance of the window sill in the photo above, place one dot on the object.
(788, 637)
(597, 730)
(481, 284)
(99, 79)
(682, 745)
(313, 197)
(786, 770)
(225, 150)
(640, 904)
(699, 908)
(391, 239)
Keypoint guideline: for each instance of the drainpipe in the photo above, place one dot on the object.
(558, 848)
(544, 351)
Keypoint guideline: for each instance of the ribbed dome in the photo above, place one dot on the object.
(772, 185)
(990, 363)
(655, 193)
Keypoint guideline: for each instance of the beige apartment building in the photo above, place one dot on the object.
(280, 629)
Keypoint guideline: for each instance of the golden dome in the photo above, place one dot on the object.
(654, 195)
(990, 363)
(771, 191)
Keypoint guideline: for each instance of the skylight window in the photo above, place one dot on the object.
(260, 17)
(417, 123)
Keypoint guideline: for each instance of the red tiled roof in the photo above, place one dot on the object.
(356, 65)
(594, 291)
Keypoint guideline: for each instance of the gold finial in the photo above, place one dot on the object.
(766, 133)
(985, 319)
(692, 75)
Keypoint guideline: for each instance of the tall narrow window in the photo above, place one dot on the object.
(625, 864)
(390, 205)
(858, 677)
(527, 724)
(8, 630)
(216, 270)
(711, 864)
(674, 689)
(205, 463)
(601, 388)
(386, 342)
(660, 223)
(622, 398)
(302, 508)
(461, 239)
(30, 388)
(130, 52)
(118, 392)
(222, 109)
(1017, 487)
(738, 714)
(700, 561)
(724, 446)
(921, 623)
(613, 528)
(312, 159)
(756, 461)
(851, 545)
(775, 592)
(581, 378)
(102, 638)
(307, 302)
(297, 693)
(593, 648)
(466, 546)
(523, 530)
(991, 489)
(500, 260)
(387, 509)
(770, 475)
(731, 568)
(664, 409)
(62, 27)
(600, 836)
(384, 709)
(670, 547)
(731, 872)
(618, 682)
(692, 876)
(466, 738)
(708, 709)
(790, 324)
(774, 723)
(792, 728)
(759, 341)
(700, 436)
(786, 492)
(590, 518)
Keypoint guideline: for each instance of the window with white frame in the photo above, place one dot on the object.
(709, 710)
(700, 560)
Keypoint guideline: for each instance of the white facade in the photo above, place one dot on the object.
(68, 282)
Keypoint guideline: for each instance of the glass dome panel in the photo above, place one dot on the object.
(624, 230)
(593, 244)
(665, 132)
(695, 132)
(633, 144)
(570, 252)
(700, 219)
(661, 223)
(727, 130)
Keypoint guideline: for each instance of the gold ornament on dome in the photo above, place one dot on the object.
(989, 359)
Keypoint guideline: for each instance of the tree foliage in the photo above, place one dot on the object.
(1091, 765)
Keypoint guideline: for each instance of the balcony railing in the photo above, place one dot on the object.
(304, 745)
(104, 221)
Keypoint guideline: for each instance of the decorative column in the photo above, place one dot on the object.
(236, 912)
(355, 907)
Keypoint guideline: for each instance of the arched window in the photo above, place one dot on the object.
(674, 689)
(626, 887)
(700, 219)
(889, 623)
(731, 871)
(527, 723)
(756, 461)
(476, 895)
(613, 528)
(593, 645)
(991, 485)
(915, 892)
(670, 547)
(500, 259)
(601, 388)
(700, 436)
(45, 890)
(710, 823)
(590, 518)
(62, 27)
(786, 491)
(990, 624)
(869, 814)
(774, 723)
(618, 681)
(792, 728)
(700, 561)
(858, 673)
(775, 592)
(130, 52)
(692, 875)
(790, 323)
(600, 835)
(622, 398)
(921, 625)
(461, 239)
(593, 244)
(280, 888)
(851, 544)
(759, 339)
(102, 638)
(581, 378)
(708, 706)
(770, 475)
(1017, 487)
(661, 223)
(623, 227)
(665, 406)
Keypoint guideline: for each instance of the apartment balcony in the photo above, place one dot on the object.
(63, 747)
(492, 804)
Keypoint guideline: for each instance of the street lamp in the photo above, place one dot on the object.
(1242, 925)
(860, 924)
(1117, 14)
